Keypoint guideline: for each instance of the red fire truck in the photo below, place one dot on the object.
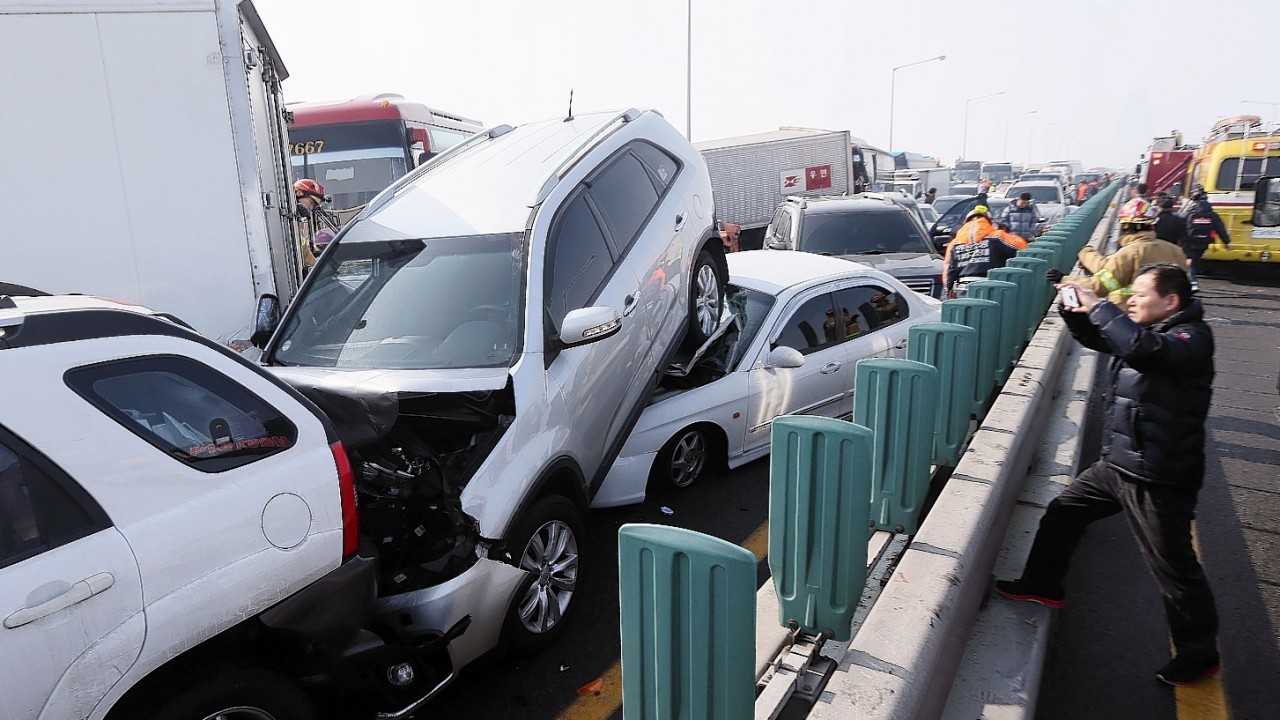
(1164, 166)
(357, 147)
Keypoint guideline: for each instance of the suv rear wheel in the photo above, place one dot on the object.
(706, 300)
(548, 538)
(229, 693)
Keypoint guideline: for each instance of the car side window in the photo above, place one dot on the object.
(663, 166)
(872, 307)
(37, 512)
(187, 410)
(580, 259)
(625, 196)
(812, 327)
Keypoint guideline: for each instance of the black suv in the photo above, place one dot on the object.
(869, 228)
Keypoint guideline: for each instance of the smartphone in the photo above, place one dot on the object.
(1069, 297)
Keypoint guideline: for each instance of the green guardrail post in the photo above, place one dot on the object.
(897, 399)
(953, 350)
(1025, 301)
(1004, 294)
(819, 510)
(687, 605)
(984, 317)
(1041, 288)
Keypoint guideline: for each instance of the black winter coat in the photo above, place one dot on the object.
(1159, 385)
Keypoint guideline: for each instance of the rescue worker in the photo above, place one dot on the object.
(311, 219)
(1082, 192)
(1170, 226)
(1202, 225)
(979, 246)
(1022, 217)
(1113, 274)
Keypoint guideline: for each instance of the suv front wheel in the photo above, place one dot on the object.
(706, 300)
(548, 538)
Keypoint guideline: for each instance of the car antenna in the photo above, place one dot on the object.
(570, 117)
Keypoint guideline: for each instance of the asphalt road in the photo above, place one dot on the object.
(1111, 637)
(547, 685)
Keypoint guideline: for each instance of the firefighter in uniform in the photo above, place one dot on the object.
(978, 246)
(1113, 274)
(1203, 225)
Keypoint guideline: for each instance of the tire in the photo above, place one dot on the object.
(548, 541)
(683, 460)
(706, 300)
(237, 693)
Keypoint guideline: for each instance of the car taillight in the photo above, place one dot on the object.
(347, 489)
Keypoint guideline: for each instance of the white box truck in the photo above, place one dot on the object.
(144, 143)
(752, 174)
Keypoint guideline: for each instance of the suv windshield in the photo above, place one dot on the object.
(1039, 193)
(862, 232)
(410, 304)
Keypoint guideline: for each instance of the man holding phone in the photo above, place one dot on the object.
(1159, 385)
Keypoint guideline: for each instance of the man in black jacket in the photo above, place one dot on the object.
(1152, 462)
(1170, 226)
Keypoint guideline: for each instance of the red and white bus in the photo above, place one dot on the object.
(357, 147)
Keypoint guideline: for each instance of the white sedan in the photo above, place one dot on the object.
(805, 320)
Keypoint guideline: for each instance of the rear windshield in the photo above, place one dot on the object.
(872, 232)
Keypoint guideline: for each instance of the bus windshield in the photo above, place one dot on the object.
(354, 161)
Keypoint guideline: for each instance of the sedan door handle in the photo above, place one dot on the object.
(680, 221)
(830, 368)
(902, 344)
(77, 593)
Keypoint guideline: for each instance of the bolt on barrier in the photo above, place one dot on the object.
(1024, 303)
(819, 511)
(953, 350)
(687, 605)
(984, 317)
(897, 400)
(1003, 294)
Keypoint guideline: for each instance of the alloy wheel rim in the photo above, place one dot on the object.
(688, 459)
(551, 555)
(708, 301)
(241, 713)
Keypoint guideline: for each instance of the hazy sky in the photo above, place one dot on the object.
(1104, 76)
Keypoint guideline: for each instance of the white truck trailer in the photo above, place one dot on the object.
(752, 174)
(145, 157)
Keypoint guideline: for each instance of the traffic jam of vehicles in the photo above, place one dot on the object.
(396, 407)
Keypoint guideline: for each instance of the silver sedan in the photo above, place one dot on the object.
(802, 321)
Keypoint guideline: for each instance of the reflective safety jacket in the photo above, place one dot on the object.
(979, 246)
(1113, 274)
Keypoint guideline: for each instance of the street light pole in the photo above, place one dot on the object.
(1031, 136)
(964, 146)
(1007, 118)
(893, 78)
(1274, 107)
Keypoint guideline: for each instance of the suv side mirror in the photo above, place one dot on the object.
(589, 324)
(779, 244)
(265, 320)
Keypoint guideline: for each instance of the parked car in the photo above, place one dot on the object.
(874, 228)
(502, 316)
(930, 214)
(943, 203)
(179, 536)
(1047, 195)
(966, 189)
(802, 322)
(943, 230)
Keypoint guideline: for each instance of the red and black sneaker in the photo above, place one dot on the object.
(1021, 590)
(1183, 671)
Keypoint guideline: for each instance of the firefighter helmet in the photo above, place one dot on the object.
(1137, 212)
(978, 209)
(307, 186)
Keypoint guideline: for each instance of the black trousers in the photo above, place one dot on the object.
(1160, 518)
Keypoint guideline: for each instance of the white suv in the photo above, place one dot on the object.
(178, 531)
(498, 319)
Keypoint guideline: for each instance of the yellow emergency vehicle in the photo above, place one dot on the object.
(1236, 153)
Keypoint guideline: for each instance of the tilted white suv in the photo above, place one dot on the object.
(500, 317)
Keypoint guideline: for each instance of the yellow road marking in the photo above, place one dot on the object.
(1206, 700)
(598, 706)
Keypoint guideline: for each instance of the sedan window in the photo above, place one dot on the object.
(870, 308)
(1039, 193)
(812, 327)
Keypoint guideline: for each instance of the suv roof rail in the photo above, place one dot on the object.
(587, 145)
